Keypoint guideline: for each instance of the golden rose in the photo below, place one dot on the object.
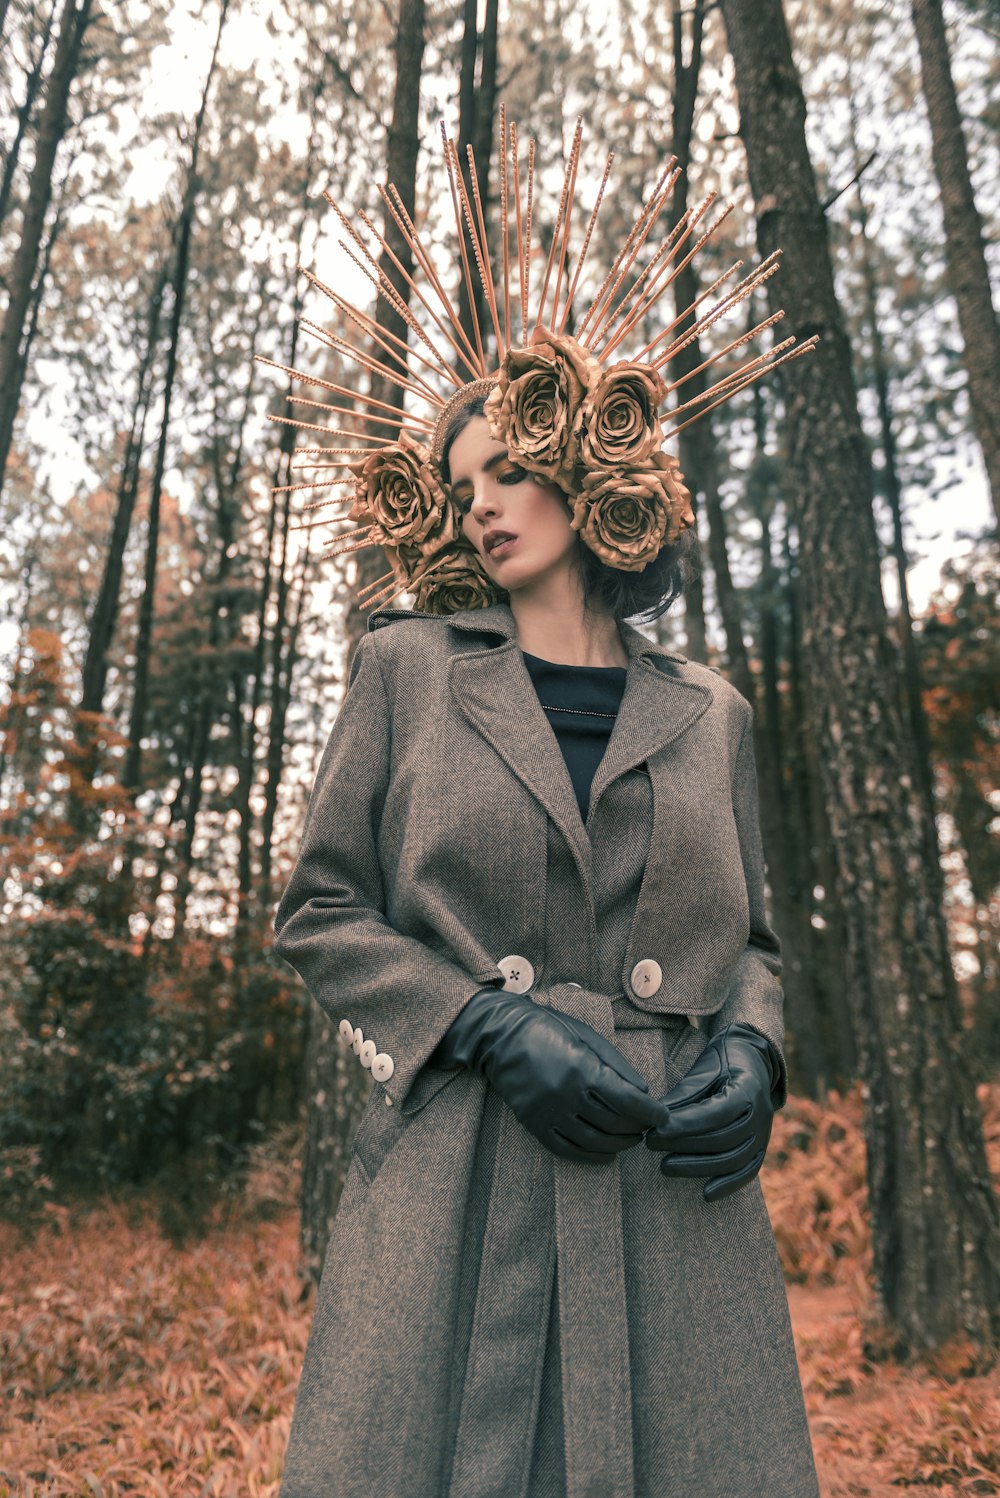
(455, 580)
(620, 420)
(627, 515)
(398, 491)
(536, 406)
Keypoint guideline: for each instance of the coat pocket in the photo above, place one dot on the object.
(427, 1084)
(379, 1130)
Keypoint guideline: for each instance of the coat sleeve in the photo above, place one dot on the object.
(755, 996)
(330, 924)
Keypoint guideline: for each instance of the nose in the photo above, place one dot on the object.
(484, 504)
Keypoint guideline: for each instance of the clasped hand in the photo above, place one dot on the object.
(579, 1097)
(717, 1120)
(560, 1078)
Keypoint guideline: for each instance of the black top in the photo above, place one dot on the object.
(581, 703)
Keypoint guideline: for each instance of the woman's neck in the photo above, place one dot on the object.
(560, 630)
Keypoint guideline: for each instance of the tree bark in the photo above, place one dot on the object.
(967, 271)
(10, 714)
(811, 843)
(699, 455)
(792, 896)
(337, 1089)
(935, 1227)
(894, 495)
(282, 476)
(698, 445)
(131, 773)
(213, 672)
(82, 809)
(476, 108)
(31, 86)
(51, 129)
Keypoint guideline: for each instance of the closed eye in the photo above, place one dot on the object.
(461, 498)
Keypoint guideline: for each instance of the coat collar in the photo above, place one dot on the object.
(495, 694)
(498, 619)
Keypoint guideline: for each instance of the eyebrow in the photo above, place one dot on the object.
(488, 467)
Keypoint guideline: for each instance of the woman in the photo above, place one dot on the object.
(530, 894)
(442, 809)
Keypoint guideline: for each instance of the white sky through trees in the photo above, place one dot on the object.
(935, 527)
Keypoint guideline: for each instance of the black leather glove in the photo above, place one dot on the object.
(566, 1084)
(719, 1116)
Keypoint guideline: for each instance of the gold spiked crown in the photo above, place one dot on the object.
(571, 408)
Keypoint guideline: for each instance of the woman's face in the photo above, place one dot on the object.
(497, 499)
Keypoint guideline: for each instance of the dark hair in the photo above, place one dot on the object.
(643, 596)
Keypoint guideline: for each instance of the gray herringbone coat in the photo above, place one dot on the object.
(494, 1322)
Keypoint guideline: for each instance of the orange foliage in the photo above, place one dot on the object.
(131, 1366)
(814, 1181)
(877, 1430)
(134, 1366)
(816, 1189)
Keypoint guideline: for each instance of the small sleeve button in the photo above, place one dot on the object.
(383, 1067)
(367, 1054)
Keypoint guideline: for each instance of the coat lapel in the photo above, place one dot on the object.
(657, 707)
(496, 695)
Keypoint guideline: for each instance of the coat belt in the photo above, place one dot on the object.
(545, 1211)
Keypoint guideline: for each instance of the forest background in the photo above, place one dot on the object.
(173, 647)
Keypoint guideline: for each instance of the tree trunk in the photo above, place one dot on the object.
(698, 445)
(131, 774)
(279, 519)
(934, 1213)
(699, 454)
(212, 675)
(792, 897)
(967, 272)
(82, 809)
(51, 129)
(695, 632)
(282, 476)
(894, 495)
(31, 86)
(476, 108)
(10, 715)
(222, 622)
(278, 705)
(811, 842)
(338, 1089)
(105, 612)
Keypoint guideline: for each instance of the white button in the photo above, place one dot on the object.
(518, 973)
(388, 1101)
(357, 1042)
(573, 985)
(646, 978)
(347, 1032)
(367, 1054)
(383, 1067)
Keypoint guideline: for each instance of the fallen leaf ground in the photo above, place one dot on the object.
(130, 1365)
